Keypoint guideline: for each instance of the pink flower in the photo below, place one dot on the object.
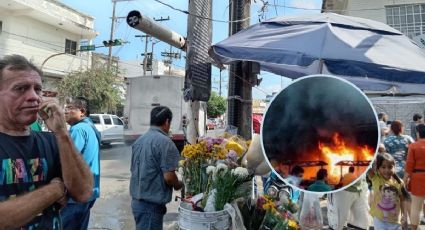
(232, 156)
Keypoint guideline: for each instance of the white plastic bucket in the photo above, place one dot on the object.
(193, 220)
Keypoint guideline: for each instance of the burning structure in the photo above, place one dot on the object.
(320, 119)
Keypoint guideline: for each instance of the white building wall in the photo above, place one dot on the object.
(37, 29)
(37, 41)
(375, 9)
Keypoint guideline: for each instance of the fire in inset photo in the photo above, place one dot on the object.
(320, 133)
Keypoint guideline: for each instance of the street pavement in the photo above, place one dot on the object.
(112, 210)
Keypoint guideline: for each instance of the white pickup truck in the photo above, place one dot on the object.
(110, 127)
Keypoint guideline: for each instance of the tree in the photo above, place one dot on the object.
(216, 105)
(99, 85)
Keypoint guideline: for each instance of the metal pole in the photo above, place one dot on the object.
(153, 43)
(111, 37)
(171, 60)
(145, 60)
(240, 90)
(219, 88)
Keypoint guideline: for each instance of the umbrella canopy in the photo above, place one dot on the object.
(328, 43)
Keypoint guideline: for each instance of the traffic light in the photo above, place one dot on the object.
(116, 42)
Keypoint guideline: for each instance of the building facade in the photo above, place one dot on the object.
(407, 16)
(49, 33)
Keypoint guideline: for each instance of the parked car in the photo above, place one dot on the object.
(111, 127)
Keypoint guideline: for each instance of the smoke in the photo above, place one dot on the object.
(312, 110)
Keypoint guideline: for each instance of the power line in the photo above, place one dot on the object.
(199, 16)
(30, 38)
(319, 9)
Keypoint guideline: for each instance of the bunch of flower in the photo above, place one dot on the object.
(277, 215)
(208, 151)
(213, 164)
(229, 184)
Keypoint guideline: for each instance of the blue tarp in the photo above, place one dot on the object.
(331, 44)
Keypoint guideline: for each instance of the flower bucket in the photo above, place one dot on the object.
(193, 220)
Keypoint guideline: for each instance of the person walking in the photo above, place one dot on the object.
(383, 118)
(417, 119)
(76, 216)
(39, 169)
(414, 175)
(397, 144)
(154, 162)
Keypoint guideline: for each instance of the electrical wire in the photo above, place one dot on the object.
(275, 8)
(199, 16)
(30, 38)
(319, 9)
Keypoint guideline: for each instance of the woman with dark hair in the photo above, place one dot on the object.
(415, 174)
(397, 144)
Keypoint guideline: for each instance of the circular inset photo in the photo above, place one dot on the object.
(320, 134)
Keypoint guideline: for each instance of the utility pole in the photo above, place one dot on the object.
(145, 60)
(111, 37)
(239, 106)
(150, 55)
(171, 55)
(219, 90)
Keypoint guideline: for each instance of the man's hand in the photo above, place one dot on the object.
(63, 200)
(172, 180)
(53, 116)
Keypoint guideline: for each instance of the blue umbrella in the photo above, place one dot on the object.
(357, 48)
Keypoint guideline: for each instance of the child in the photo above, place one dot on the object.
(388, 194)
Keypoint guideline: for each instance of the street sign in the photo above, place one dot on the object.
(87, 48)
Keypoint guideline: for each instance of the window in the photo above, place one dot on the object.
(95, 119)
(70, 47)
(409, 19)
(107, 120)
(117, 121)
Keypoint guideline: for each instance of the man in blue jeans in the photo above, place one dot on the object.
(75, 216)
(153, 164)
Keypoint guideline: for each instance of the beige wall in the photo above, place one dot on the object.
(358, 8)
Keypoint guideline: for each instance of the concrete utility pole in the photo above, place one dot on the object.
(171, 55)
(239, 106)
(111, 37)
(145, 59)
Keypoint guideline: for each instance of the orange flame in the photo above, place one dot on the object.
(339, 151)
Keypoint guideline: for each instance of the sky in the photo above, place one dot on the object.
(101, 10)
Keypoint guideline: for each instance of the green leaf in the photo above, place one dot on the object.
(99, 85)
(216, 106)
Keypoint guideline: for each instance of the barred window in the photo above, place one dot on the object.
(70, 47)
(409, 19)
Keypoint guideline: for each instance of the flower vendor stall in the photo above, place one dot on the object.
(218, 189)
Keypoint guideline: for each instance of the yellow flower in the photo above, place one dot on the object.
(182, 163)
(269, 205)
(293, 224)
(231, 145)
